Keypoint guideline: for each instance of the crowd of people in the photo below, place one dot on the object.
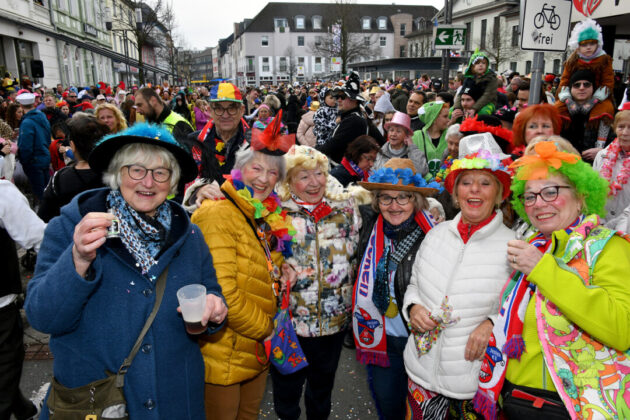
(469, 245)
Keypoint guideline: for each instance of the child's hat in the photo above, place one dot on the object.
(586, 30)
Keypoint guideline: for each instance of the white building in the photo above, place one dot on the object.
(277, 45)
(26, 34)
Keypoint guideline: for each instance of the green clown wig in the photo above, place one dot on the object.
(548, 161)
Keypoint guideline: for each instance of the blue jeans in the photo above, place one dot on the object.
(389, 384)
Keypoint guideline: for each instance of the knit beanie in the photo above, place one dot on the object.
(583, 74)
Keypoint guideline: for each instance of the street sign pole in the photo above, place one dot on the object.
(537, 73)
(446, 54)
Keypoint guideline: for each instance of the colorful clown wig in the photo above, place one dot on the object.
(548, 160)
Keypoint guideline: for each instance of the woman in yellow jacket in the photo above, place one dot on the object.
(247, 234)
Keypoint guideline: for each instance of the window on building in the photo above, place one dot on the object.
(250, 64)
(528, 67)
(402, 50)
(365, 23)
(318, 41)
(403, 29)
(299, 22)
(382, 23)
(469, 35)
(484, 29)
(383, 41)
(495, 32)
(366, 41)
(515, 36)
(264, 41)
(317, 22)
(300, 61)
(265, 64)
(280, 23)
(318, 65)
(300, 41)
(282, 64)
(556, 66)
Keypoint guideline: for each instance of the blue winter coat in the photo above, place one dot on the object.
(94, 324)
(34, 140)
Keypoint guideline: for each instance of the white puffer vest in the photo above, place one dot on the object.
(472, 275)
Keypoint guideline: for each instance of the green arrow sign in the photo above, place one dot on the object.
(449, 37)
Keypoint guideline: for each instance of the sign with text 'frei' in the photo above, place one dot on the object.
(449, 37)
(546, 24)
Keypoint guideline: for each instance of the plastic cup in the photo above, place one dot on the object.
(192, 302)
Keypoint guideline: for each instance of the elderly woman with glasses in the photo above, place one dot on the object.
(249, 235)
(559, 345)
(455, 286)
(102, 265)
(394, 226)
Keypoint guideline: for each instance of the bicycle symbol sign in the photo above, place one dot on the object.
(547, 15)
(546, 24)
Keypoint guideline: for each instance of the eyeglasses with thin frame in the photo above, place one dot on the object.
(586, 85)
(548, 194)
(386, 200)
(138, 172)
(219, 110)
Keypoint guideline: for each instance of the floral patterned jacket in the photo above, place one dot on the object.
(324, 258)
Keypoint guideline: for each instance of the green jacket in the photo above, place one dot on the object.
(601, 309)
(428, 114)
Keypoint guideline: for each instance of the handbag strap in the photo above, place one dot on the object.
(159, 286)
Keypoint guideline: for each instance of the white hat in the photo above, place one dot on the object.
(100, 97)
(25, 99)
(473, 143)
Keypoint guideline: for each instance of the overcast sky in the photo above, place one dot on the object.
(203, 23)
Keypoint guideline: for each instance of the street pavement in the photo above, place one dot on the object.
(351, 396)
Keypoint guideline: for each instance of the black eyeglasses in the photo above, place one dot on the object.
(72, 96)
(548, 194)
(219, 110)
(138, 172)
(586, 85)
(386, 199)
(341, 96)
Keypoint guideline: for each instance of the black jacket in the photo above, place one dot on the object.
(210, 167)
(351, 126)
(403, 272)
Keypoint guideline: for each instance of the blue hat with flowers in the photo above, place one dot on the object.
(400, 175)
(146, 133)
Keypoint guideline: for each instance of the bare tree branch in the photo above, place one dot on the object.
(339, 42)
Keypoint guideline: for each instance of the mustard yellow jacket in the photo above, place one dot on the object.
(239, 260)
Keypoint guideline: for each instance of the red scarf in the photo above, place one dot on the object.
(467, 230)
(354, 169)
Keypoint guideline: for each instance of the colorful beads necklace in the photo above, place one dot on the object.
(610, 160)
(269, 210)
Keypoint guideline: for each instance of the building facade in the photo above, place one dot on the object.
(283, 43)
(26, 34)
(83, 42)
(494, 26)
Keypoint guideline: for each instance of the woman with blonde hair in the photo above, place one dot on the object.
(111, 116)
(326, 219)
